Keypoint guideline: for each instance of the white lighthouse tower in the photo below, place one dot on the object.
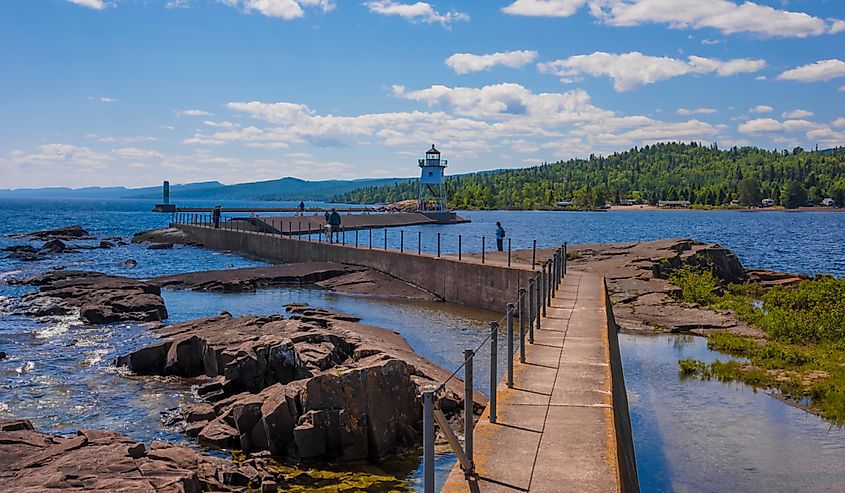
(432, 196)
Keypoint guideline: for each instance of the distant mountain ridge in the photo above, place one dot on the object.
(287, 188)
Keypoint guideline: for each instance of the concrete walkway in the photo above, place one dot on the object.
(555, 430)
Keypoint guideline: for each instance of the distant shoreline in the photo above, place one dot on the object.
(754, 209)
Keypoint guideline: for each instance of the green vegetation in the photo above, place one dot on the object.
(703, 175)
(803, 355)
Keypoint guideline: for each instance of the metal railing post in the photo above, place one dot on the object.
(401, 241)
(531, 306)
(551, 283)
(309, 230)
(371, 238)
(468, 404)
(459, 247)
(494, 368)
(539, 300)
(343, 232)
(522, 318)
(356, 238)
(534, 255)
(509, 318)
(509, 252)
(545, 297)
(385, 239)
(438, 245)
(428, 441)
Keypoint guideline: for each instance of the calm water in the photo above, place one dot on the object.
(690, 435)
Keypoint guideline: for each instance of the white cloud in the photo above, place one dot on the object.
(415, 12)
(760, 77)
(631, 70)
(799, 113)
(842, 88)
(91, 4)
(464, 63)
(839, 122)
(194, 113)
(815, 72)
(770, 125)
(696, 111)
(108, 100)
(710, 41)
(135, 153)
(761, 108)
(724, 15)
(544, 8)
(283, 9)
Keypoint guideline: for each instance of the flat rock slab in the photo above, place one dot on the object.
(74, 232)
(164, 236)
(103, 461)
(97, 298)
(328, 275)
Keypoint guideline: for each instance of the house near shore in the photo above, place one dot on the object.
(828, 202)
(672, 204)
(767, 203)
(627, 202)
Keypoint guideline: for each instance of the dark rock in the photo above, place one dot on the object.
(2, 355)
(98, 298)
(130, 263)
(168, 236)
(316, 386)
(104, 461)
(26, 256)
(160, 246)
(104, 244)
(54, 246)
(74, 232)
(20, 248)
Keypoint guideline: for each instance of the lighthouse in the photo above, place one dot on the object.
(432, 195)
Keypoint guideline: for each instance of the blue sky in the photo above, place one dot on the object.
(131, 92)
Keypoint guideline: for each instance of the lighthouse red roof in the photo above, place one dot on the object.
(432, 150)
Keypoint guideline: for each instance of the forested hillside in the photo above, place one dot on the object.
(704, 175)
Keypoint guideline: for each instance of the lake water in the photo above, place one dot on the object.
(689, 435)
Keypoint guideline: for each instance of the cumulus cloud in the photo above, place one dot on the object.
(544, 8)
(108, 100)
(761, 108)
(465, 63)
(136, 153)
(91, 4)
(816, 72)
(416, 12)
(696, 111)
(631, 70)
(194, 113)
(283, 9)
(839, 122)
(799, 113)
(724, 15)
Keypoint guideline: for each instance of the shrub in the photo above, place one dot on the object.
(811, 312)
(697, 285)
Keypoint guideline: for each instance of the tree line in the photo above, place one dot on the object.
(701, 174)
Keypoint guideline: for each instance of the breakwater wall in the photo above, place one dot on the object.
(486, 286)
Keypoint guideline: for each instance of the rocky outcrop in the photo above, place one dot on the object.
(637, 275)
(166, 236)
(317, 385)
(328, 275)
(104, 461)
(74, 232)
(97, 298)
(770, 279)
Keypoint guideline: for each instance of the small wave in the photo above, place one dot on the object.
(28, 366)
(4, 409)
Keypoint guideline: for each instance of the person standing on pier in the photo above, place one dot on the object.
(334, 225)
(215, 216)
(500, 236)
(301, 208)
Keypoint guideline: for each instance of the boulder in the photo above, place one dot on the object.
(105, 244)
(165, 236)
(20, 249)
(74, 232)
(768, 279)
(2, 354)
(104, 461)
(316, 385)
(130, 263)
(160, 246)
(25, 256)
(97, 298)
(54, 246)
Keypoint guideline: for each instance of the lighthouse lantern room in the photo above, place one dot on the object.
(432, 196)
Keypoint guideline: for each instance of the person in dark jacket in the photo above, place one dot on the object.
(301, 208)
(500, 236)
(334, 225)
(215, 216)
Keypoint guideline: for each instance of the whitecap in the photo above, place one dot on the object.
(28, 366)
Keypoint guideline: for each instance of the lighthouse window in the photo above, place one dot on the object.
(430, 173)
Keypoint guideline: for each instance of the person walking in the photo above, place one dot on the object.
(500, 236)
(334, 225)
(301, 208)
(215, 216)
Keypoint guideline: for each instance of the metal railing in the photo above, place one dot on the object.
(529, 307)
(531, 302)
(313, 228)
